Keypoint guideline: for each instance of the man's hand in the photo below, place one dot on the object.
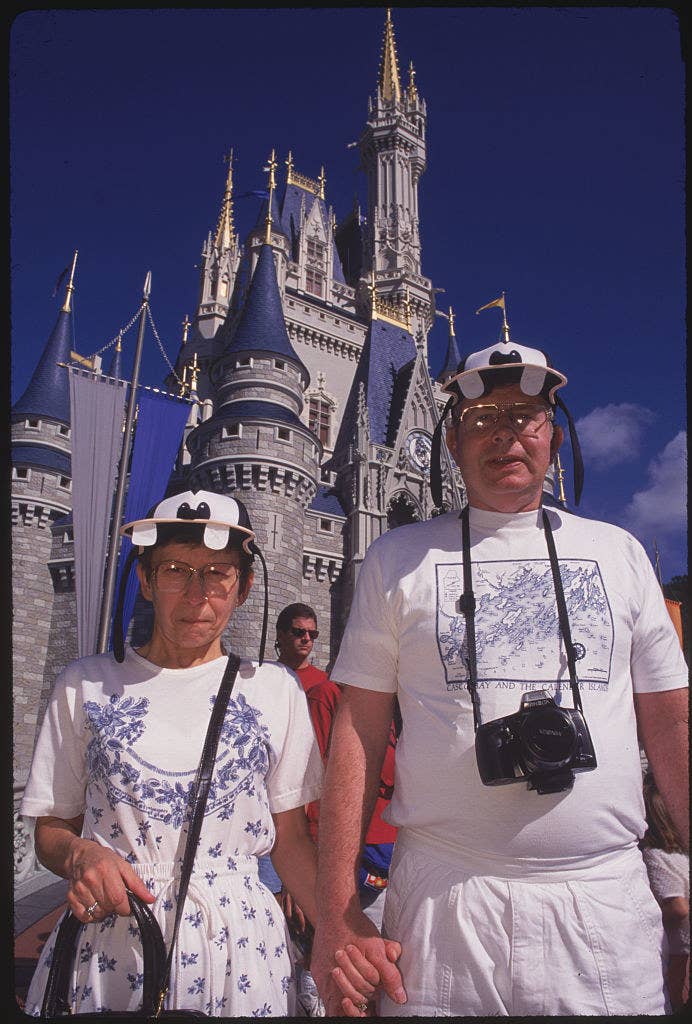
(349, 964)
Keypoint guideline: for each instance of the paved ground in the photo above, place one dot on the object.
(34, 917)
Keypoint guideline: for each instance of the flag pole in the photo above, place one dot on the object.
(114, 546)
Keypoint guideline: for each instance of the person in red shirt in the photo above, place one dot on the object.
(296, 633)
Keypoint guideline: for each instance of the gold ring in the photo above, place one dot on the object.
(90, 910)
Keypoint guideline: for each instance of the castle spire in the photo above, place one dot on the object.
(271, 167)
(67, 304)
(224, 229)
(452, 358)
(48, 392)
(389, 83)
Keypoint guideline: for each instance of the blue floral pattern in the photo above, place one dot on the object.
(233, 954)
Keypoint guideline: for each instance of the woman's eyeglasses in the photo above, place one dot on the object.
(216, 579)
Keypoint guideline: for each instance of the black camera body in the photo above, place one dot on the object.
(541, 744)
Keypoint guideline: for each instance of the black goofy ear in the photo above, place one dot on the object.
(436, 456)
(577, 458)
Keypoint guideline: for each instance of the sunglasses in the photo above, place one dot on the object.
(312, 633)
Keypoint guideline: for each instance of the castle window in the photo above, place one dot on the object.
(320, 418)
(279, 364)
(326, 525)
(283, 434)
(325, 476)
(314, 282)
(63, 430)
(32, 424)
(235, 430)
(65, 483)
(316, 250)
(68, 536)
(21, 473)
(244, 362)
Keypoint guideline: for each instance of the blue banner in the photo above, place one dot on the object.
(160, 424)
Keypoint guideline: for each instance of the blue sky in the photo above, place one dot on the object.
(555, 173)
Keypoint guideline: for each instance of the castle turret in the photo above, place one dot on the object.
(256, 446)
(452, 357)
(393, 155)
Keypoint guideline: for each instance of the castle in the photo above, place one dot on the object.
(312, 401)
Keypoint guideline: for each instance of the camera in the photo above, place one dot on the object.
(541, 744)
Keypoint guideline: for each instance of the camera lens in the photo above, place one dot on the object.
(548, 738)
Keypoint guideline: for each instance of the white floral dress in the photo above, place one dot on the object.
(120, 744)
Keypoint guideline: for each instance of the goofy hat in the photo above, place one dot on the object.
(219, 514)
(505, 362)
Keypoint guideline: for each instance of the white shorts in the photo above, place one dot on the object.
(479, 945)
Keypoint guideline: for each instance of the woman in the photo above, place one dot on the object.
(113, 768)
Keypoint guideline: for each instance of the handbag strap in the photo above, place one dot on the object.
(200, 792)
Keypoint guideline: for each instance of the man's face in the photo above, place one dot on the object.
(193, 617)
(295, 650)
(503, 469)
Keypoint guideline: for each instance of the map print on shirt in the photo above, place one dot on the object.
(517, 628)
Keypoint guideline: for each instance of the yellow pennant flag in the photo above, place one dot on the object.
(496, 302)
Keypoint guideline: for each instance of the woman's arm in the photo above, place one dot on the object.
(295, 858)
(96, 874)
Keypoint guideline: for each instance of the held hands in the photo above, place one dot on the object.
(98, 881)
(350, 962)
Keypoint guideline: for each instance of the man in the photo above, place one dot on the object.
(524, 899)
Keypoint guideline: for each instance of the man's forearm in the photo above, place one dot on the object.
(358, 745)
(662, 722)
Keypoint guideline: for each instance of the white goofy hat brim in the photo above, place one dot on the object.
(217, 513)
(528, 367)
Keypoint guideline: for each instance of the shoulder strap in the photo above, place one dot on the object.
(199, 800)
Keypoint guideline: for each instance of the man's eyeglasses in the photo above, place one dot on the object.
(523, 418)
(297, 633)
(216, 579)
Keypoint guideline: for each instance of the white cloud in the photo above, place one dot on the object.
(660, 509)
(612, 434)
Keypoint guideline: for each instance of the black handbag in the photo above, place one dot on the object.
(157, 962)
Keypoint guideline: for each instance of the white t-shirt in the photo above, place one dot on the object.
(121, 743)
(405, 634)
(669, 873)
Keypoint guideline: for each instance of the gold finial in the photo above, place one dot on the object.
(412, 91)
(66, 306)
(562, 498)
(333, 222)
(289, 165)
(373, 295)
(195, 371)
(451, 322)
(119, 342)
(322, 182)
(225, 229)
(271, 167)
(186, 327)
(183, 381)
(389, 65)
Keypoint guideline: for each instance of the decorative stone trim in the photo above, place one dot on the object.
(321, 566)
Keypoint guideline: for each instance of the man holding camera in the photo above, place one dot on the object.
(529, 649)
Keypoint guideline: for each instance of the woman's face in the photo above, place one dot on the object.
(192, 619)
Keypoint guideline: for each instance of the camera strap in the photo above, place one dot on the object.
(467, 605)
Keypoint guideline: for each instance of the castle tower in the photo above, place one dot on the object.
(42, 544)
(255, 446)
(452, 357)
(393, 155)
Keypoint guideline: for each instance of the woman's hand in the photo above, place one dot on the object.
(98, 877)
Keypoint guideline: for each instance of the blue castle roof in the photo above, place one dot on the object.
(290, 221)
(382, 369)
(37, 455)
(452, 360)
(262, 327)
(48, 391)
(245, 409)
(277, 223)
(328, 501)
